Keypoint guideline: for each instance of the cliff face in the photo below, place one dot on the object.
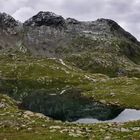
(8, 36)
(97, 46)
(50, 34)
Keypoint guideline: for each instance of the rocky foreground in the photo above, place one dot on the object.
(18, 124)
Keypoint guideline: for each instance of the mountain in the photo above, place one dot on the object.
(67, 70)
(100, 46)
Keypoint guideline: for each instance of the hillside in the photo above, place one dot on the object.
(100, 46)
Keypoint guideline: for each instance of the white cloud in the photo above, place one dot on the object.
(24, 13)
(10, 6)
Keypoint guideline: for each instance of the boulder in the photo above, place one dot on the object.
(40, 115)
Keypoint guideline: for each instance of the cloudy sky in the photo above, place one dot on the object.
(125, 12)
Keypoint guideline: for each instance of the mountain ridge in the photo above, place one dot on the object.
(49, 35)
(6, 18)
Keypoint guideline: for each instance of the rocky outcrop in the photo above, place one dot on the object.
(115, 28)
(72, 21)
(10, 33)
(6, 21)
(47, 19)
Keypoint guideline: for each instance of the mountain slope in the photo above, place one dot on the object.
(100, 46)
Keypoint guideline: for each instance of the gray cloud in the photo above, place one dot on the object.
(125, 12)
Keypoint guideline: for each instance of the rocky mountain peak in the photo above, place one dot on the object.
(47, 19)
(72, 21)
(7, 21)
(108, 21)
(116, 28)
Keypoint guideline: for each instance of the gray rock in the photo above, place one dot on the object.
(40, 115)
(2, 105)
(72, 21)
(135, 128)
(125, 130)
(107, 138)
(29, 129)
(47, 19)
(29, 113)
(6, 21)
(55, 127)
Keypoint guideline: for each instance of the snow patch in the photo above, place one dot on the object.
(62, 92)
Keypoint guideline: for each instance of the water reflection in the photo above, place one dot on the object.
(125, 116)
